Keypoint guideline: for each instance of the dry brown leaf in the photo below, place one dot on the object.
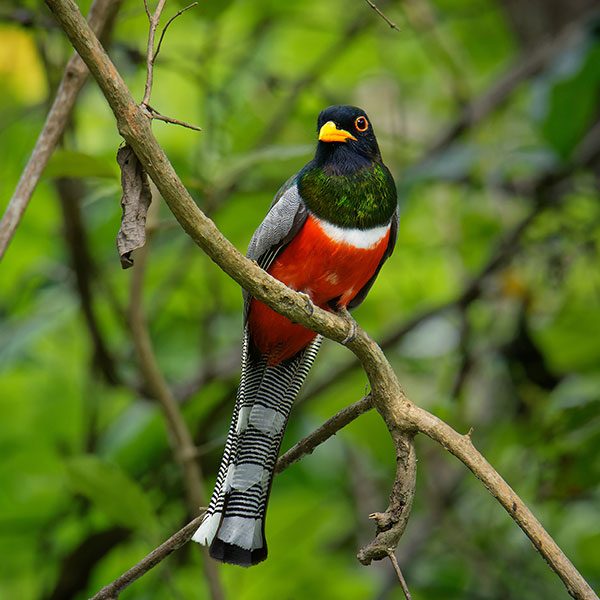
(135, 201)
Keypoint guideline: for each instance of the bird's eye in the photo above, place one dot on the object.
(361, 124)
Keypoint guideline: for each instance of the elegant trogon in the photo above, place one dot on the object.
(329, 230)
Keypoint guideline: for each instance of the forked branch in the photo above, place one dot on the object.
(152, 55)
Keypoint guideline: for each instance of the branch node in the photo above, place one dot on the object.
(392, 523)
(384, 520)
(152, 113)
(189, 453)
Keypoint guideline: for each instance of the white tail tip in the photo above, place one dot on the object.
(206, 532)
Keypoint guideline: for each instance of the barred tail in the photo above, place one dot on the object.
(235, 520)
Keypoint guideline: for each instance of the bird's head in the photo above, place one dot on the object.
(346, 128)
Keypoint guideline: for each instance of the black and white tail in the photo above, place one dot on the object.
(234, 525)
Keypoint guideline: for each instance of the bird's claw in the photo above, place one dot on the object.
(310, 307)
(343, 311)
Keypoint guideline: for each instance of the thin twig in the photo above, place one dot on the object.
(75, 75)
(398, 412)
(151, 55)
(401, 579)
(153, 20)
(323, 433)
(157, 555)
(445, 55)
(154, 114)
(164, 30)
(382, 15)
(304, 447)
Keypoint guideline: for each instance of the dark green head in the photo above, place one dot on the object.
(347, 183)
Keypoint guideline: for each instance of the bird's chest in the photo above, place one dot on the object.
(327, 261)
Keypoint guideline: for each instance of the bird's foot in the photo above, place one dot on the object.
(343, 312)
(310, 307)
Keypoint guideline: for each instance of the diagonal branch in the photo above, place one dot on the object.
(178, 539)
(382, 15)
(399, 413)
(168, 23)
(74, 77)
(401, 579)
(323, 433)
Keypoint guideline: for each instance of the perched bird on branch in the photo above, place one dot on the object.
(329, 230)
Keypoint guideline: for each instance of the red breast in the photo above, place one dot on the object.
(325, 262)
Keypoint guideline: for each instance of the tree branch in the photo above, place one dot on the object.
(392, 523)
(73, 79)
(151, 56)
(323, 433)
(184, 535)
(168, 23)
(154, 114)
(382, 15)
(154, 19)
(302, 448)
(399, 413)
(401, 579)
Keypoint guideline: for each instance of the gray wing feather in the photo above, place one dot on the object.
(283, 221)
(362, 294)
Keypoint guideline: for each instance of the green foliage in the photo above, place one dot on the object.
(83, 456)
(570, 93)
(65, 163)
(113, 492)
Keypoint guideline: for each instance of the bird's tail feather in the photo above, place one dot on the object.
(235, 518)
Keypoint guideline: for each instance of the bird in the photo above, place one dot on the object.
(328, 232)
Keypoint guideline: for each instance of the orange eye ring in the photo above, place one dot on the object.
(361, 124)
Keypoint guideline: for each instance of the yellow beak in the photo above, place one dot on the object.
(330, 133)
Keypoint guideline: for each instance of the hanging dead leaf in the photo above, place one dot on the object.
(135, 201)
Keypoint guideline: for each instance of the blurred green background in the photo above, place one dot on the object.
(487, 113)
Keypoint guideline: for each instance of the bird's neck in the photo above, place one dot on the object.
(350, 191)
